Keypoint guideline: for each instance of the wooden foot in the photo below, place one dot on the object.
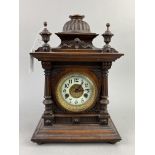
(112, 142)
(40, 143)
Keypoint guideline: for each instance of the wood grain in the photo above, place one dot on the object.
(76, 56)
(75, 133)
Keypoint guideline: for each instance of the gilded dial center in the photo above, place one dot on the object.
(76, 90)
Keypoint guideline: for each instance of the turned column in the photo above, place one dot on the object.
(48, 115)
(104, 116)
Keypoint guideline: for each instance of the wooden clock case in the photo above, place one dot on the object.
(76, 53)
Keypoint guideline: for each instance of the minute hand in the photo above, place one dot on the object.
(79, 87)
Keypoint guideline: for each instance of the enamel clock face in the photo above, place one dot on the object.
(76, 92)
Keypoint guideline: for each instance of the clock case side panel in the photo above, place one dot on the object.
(88, 116)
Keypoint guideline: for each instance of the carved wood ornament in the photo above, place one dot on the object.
(74, 71)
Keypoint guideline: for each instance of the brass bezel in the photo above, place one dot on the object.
(76, 108)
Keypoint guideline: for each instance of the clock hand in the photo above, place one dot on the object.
(79, 87)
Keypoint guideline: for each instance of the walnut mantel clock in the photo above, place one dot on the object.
(76, 86)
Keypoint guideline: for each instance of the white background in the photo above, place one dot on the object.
(120, 14)
(144, 83)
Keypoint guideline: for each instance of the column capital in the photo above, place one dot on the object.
(46, 64)
(106, 65)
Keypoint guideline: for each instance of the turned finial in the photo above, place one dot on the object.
(45, 24)
(107, 35)
(45, 34)
(108, 25)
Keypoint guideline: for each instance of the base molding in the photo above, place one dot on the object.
(75, 133)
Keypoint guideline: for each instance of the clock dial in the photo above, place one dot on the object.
(76, 92)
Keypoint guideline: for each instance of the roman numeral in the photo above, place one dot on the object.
(67, 85)
(82, 100)
(70, 100)
(85, 95)
(76, 79)
(70, 81)
(76, 102)
(88, 90)
(66, 96)
(86, 84)
(64, 91)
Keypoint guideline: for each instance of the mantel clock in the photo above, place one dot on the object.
(76, 86)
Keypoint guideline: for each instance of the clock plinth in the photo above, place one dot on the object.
(76, 86)
(75, 133)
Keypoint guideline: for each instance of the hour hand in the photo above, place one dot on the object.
(79, 89)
